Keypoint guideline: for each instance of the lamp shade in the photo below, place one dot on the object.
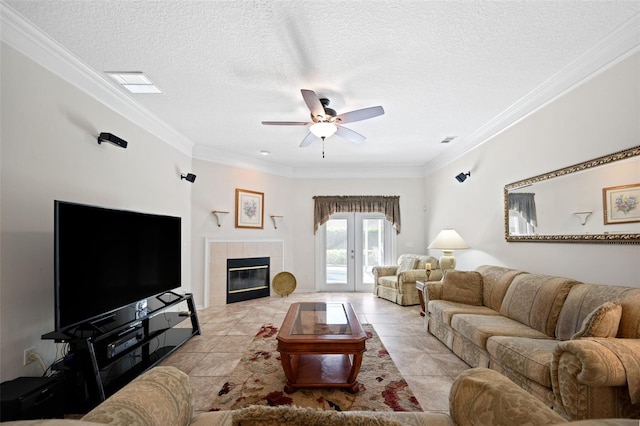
(323, 130)
(448, 239)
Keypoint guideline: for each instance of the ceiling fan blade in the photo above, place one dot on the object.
(349, 135)
(285, 123)
(360, 114)
(307, 140)
(313, 102)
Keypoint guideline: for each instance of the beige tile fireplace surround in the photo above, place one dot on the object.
(217, 251)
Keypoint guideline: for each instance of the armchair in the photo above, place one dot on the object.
(397, 283)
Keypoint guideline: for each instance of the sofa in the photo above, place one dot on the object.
(397, 283)
(163, 397)
(574, 346)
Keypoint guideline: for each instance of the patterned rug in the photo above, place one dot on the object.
(259, 380)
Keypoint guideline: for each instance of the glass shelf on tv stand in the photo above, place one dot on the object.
(114, 322)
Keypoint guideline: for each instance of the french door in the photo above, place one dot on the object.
(349, 245)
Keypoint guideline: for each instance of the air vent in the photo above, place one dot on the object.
(448, 139)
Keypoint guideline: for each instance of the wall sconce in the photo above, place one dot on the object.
(582, 216)
(219, 216)
(463, 176)
(276, 219)
(190, 177)
(108, 137)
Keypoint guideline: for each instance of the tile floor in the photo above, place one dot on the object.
(426, 364)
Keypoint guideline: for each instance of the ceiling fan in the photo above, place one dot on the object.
(325, 121)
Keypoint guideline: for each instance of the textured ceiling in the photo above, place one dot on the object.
(438, 68)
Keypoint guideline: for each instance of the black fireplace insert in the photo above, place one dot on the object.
(247, 279)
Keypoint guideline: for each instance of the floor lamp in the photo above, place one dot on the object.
(448, 240)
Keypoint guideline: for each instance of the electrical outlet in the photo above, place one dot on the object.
(26, 359)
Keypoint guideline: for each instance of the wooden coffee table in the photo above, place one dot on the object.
(321, 345)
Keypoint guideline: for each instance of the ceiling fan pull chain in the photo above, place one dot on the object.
(322, 147)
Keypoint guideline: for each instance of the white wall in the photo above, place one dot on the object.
(49, 151)
(599, 117)
(291, 198)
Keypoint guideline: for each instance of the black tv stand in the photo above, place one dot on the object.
(105, 357)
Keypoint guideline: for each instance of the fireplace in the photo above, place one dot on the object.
(247, 279)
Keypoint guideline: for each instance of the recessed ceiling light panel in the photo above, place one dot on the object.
(134, 82)
(142, 88)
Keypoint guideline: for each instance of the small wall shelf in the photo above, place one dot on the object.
(219, 214)
(582, 216)
(276, 219)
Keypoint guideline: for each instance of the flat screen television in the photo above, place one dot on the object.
(106, 259)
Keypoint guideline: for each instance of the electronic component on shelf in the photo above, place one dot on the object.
(123, 341)
(116, 348)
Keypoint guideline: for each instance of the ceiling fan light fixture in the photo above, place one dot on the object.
(323, 129)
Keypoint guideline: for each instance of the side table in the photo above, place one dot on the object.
(420, 287)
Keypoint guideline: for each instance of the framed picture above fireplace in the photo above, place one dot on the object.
(249, 209)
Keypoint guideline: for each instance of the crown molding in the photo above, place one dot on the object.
(346, 171)
(617, 46)
(215, 155)
(358, 171)
(23, 36)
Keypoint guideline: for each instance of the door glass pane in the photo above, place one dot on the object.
(372, 247)
(336, 251)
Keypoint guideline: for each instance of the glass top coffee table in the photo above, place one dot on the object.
(321, 345)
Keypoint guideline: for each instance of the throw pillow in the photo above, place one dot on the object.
(463, 287)
(407, 264)
(304, 416)
(601, 322)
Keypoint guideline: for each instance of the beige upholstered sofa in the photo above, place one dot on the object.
(163, 397)
(397, 283)
(575, 346)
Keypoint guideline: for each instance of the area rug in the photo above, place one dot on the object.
(259, 380)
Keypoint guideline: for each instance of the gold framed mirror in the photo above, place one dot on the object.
(596, 201)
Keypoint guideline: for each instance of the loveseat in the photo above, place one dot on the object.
(574, 346)
(163, 397)
(397, 283)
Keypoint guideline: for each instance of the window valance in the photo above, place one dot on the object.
(325, 206)
(526, 205)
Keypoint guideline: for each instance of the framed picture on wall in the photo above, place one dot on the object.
(249, 209)
(621, 204)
